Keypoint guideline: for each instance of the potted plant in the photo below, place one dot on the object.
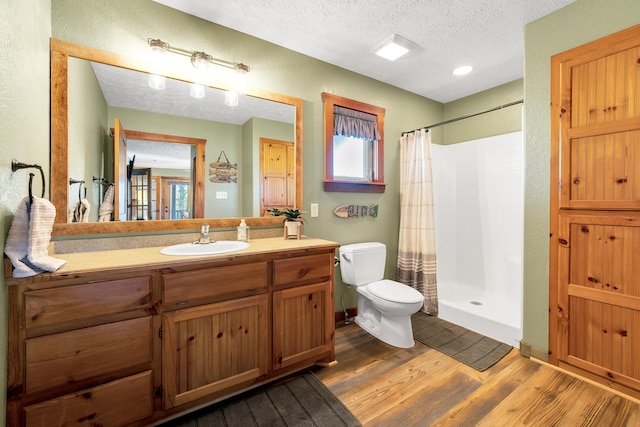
(293, 221)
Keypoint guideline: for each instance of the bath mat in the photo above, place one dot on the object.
(468, 347)
(293, 401)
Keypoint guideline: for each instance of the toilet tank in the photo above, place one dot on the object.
(362, 263)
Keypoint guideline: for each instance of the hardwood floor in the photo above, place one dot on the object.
(387, 386)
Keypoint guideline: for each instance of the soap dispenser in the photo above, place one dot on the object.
(243, 231)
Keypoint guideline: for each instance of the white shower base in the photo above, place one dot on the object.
(479, 210)
(489, 313)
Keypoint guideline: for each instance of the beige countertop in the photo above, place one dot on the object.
(151, 257)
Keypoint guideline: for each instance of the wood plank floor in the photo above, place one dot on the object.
(387, 386)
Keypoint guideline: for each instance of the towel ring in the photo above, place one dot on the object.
(16, 165)
(81, 182)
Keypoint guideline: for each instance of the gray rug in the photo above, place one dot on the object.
(301, 400)
(465, 346)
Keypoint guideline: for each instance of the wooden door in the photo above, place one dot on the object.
(310, 334)
(277, 172)
(175, 198)
(594, 323)
(141, 196)
(214, 349)
(121, 188)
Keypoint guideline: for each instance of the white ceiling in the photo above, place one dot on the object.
(487, 34)
(129, 89)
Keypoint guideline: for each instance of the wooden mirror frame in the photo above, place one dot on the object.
(59, 183)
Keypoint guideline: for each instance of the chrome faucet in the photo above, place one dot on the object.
(204, 235)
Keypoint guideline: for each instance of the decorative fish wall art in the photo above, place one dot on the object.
(356, 211)
(223, 171)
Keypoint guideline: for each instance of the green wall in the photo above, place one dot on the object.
(499, 122)
(87, 128)
(574, 25)
(24, 122)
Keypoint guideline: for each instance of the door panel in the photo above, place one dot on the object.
(214, 348)
(277, 172)
(120, 199)
(594, 263)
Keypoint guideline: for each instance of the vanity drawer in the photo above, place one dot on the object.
(65, 304)
(214, 282)
(302, 268)
(77, 356)
(115, 403)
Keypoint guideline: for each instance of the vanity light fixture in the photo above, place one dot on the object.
(201, 62)
(393, 47)
(200, 65)
(158, 48)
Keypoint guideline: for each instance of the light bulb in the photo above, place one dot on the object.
(156, 82)
(231, 98)
(196, 91)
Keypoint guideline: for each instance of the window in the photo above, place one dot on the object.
(354, 145)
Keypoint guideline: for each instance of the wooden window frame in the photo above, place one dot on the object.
(377, 184)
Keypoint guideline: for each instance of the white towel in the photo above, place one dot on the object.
(80, 212)
(29, 236)
(106, 208)
(17, 241)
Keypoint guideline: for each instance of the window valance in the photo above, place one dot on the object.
(355, 123)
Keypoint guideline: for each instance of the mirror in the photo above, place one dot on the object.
(63, 56)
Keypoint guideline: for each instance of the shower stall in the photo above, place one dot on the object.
(479, 208)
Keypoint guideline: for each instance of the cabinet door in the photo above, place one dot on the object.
(302, 324)
(212, 348)
(598, 276)
(71, 360)
(116, 403)
(594, 281)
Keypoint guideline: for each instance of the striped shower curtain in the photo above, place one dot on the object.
(417, 240)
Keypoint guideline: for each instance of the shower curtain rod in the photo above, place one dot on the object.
(499, 107)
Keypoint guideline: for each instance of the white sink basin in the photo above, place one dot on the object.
(218, 247)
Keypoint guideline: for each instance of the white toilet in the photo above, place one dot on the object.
(384, 306)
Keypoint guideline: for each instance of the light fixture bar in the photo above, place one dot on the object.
(159, 44)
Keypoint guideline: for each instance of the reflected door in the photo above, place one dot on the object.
(141, 195)
(176, 198)
(120, 201)
(277, 172)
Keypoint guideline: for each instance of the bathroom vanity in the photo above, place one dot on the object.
(131, 337)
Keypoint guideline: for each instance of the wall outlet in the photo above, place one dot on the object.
(314, 210)
(221, 194)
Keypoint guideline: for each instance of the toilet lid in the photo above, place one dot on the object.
(394, 291)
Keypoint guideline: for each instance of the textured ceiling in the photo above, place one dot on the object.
(487, 34)
(129, 89)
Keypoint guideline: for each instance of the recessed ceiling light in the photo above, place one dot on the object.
(461, 71)
(393, 47)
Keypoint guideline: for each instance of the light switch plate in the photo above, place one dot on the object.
(314, 210)
(221, 194)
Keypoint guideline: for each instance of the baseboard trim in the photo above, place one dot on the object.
(527, 350)
(584, 378)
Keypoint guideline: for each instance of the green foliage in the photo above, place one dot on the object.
(289, 214)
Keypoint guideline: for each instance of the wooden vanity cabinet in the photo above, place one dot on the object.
(80, 350)
(135, 345)
(303, 319)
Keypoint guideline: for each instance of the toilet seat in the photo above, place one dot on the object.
(394, 291)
